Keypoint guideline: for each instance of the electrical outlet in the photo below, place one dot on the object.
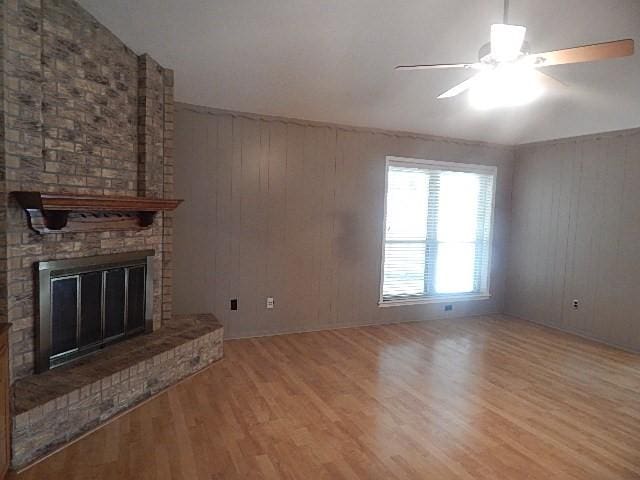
(576, 304)
(269, 303)
(234, 304)
(448, 308)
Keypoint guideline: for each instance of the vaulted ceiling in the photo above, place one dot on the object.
(332, 60)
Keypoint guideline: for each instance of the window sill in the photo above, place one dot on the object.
(447, 299)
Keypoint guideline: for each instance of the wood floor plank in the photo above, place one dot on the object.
(477, 398)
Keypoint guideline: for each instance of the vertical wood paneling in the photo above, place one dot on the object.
(573, 158)
(563, 184)
(220, 220)
(576, 235)
(198, 198)
(297, 280)
(325, 228)
(347, 228)
(629, 260)
(612, 158)
(249, 233)
(294, 210)
(276, 232)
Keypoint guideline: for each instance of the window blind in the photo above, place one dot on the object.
(437, 238)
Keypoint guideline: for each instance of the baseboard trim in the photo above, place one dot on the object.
(323, 328)
(584, 336)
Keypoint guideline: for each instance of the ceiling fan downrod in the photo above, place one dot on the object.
(505, 16)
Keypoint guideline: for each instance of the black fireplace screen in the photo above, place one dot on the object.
(88, 303)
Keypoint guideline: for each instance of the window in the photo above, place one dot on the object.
(437, 236)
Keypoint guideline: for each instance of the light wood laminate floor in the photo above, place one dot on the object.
(478, 398)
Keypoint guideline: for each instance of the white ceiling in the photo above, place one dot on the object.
(332, 60)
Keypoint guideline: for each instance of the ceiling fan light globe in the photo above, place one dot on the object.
(507, 85)
(506, 41)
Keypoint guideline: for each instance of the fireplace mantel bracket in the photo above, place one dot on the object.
(57, 213)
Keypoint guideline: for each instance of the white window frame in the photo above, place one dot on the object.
(452, 167)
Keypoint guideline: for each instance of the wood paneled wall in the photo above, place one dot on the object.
(294, 210)
(575, 234)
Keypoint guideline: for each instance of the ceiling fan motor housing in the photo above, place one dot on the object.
(485, 51)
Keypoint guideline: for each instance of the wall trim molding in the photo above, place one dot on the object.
(337, 126)
(581, 138)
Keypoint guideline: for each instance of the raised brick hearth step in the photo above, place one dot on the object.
(54, 407)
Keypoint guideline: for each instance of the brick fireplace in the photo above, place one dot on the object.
(85, 115)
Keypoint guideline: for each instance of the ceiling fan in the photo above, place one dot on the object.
(507, 70)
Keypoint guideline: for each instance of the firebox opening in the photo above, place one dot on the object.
(91, 302)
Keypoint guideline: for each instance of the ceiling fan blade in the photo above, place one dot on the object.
(436, 66)
(461, 87)
(547, 80)
(584, 53)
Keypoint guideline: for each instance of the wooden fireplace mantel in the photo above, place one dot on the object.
(64, 212)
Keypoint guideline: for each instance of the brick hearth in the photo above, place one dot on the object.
(55, 407)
